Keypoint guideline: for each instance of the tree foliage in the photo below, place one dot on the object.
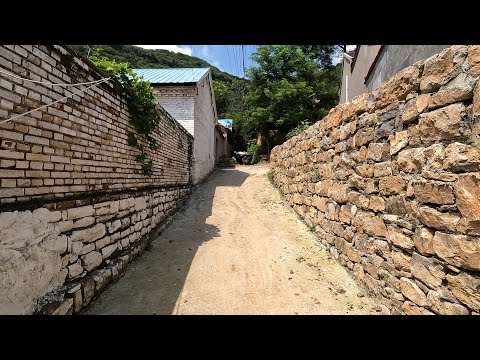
(231, 104)
(298, 129)
(291, 85)
(222, 94)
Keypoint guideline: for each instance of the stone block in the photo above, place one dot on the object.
(412, 292)
(90, 234)
(443, 307)
(466, 289)
(459, 250)
(80, 212)
(396, 237)
(430, 271)
(434, 194)
(442, 124)
(92, 260)
(467, 193)
(423, 240)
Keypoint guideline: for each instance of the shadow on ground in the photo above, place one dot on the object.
(153, 283)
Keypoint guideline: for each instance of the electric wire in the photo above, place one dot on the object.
(47, 83)
(98, 82)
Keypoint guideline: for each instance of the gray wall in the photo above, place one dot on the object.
(397, 57)
(356, 78)
(205, 121)
(222, 147)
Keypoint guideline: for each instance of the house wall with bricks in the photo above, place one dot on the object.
(75, 206)
(193, 106)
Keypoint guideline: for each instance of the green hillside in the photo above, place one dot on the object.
(139, 58)
(226, 86)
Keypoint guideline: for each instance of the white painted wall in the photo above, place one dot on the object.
(179, 101)
(193, 107)
(204, 143)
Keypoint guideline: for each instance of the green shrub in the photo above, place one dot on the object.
(251, 150)
(298, 129)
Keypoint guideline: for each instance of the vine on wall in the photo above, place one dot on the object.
(141, 104)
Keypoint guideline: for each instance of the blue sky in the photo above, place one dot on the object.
(228, 58)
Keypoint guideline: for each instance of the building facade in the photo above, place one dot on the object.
(223, 145)
(366, 67)
(187, 94)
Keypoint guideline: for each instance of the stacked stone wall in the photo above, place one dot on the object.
(391, 183)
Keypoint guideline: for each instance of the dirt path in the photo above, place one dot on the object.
(236, 248)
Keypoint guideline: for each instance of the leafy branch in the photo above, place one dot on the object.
(298, 129)
(141, 104)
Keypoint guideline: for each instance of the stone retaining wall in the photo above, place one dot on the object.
(391, 183)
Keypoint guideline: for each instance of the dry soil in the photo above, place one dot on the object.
(235, 248)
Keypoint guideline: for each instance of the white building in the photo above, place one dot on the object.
(187, 94)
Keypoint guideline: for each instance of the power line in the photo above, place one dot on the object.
(47, 83)
(243, 53)
(234, 57)
(228, 55)
(238, 58)
(239, 49)
(98, 82)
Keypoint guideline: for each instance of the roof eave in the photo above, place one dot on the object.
(174, 84)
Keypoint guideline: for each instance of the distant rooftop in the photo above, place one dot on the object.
(228, 123)
(172, 76)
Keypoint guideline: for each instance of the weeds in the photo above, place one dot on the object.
(270, 178)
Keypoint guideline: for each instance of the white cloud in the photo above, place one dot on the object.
(174, 48)
(205, 51)
(217, 64)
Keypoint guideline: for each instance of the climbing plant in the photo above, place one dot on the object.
(141, 104)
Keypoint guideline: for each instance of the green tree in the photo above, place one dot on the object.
(236, 110)
(236, 96)
(291, 85)
(222, 94)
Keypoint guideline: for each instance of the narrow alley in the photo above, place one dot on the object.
(235, 248)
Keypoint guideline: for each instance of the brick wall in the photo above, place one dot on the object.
(78, 145)
(75, 207)
(179, 101)
(391, 184)
(193, 106)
